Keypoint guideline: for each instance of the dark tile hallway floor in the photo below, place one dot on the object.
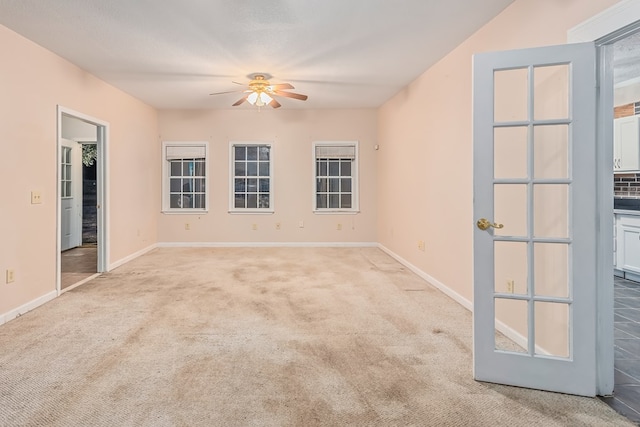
(626, 399)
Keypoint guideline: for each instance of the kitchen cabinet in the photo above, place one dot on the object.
(626, 144)
(627, 247)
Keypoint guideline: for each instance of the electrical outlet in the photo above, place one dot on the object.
(421, 245)
(11, 276)
(254, 226)
(339, 226)
(187, 226)
(36, 197)
(277, 226)
(511, 285)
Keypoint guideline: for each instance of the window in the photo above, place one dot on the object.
(335, 176)
(252, 184)
(184, 170)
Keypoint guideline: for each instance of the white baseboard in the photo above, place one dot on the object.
(82, 282)
(441, 286)
(17, 312)
(267, 245)
(132, 257)
(507, 331)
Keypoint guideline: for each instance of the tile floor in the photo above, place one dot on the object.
(626, 399)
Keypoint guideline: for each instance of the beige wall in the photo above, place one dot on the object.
(34, 81)
(292, 133)
(425, 179)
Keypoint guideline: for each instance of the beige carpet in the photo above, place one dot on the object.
(260, 337)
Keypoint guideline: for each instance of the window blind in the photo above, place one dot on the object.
(175, 152)
(335, 152)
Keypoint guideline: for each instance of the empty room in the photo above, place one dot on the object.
(319, 213)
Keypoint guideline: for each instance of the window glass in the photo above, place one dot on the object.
(185, 180)
(252, 176)
(334, 175)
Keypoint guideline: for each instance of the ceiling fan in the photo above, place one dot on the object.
(260, 92)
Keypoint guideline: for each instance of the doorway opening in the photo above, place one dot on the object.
(82, 252)
(626, 248)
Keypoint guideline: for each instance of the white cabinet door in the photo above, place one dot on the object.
(626, 144)
(628, 243)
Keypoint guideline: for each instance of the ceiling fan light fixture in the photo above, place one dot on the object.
(260, 92)
(259, 99)
(252, 98)
(265, 98)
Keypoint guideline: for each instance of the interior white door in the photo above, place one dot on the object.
(70, 194)
(535, 213)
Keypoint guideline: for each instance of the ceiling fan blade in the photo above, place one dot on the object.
(274, 103)
(228, 91)
(240, 101)
(290, 95)
(281, 86)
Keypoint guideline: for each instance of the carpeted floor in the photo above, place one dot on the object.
(260, 337)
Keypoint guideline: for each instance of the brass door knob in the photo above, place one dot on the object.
(484, 224)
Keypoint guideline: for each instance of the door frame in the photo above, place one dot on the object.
(604, 29)
(102, 142)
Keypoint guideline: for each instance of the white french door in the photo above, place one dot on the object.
(70, 194)
(535, 218)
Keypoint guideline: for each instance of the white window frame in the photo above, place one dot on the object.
(355, 189)
(232, 178)
(166, 206)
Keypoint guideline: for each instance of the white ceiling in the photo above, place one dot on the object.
(172, 54)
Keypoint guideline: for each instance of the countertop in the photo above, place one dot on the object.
(626, 212)
(626, 204)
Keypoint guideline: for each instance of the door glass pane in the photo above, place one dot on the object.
(511, 325)
(551, 207)
(510, 152)
(552, 329)
(510, 209)
(510, 95)
(511, 270)
(551, 269)
(551, 92)
(551, 151)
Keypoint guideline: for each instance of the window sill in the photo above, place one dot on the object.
(252, 212)
(336, 212)
(185, 212)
